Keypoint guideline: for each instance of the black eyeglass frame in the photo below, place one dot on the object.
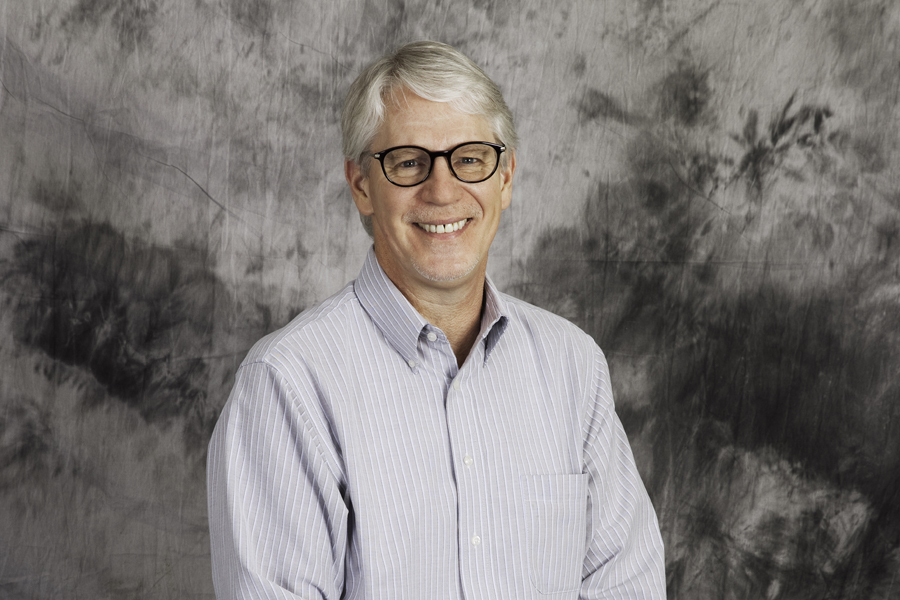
(433, 156)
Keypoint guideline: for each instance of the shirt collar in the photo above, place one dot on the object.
(401, 324)
(494, 317)
(391, 312)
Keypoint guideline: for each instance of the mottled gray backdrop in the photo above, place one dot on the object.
(708, 187)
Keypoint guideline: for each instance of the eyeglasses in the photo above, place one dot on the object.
(470, 162)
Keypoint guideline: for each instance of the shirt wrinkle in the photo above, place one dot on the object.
(307, 420)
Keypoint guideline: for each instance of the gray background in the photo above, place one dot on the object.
(709, 188)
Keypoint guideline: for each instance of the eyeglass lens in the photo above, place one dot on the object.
(470, 163)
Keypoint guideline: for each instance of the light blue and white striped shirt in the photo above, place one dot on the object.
(354, 459)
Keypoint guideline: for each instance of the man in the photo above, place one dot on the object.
(420, 435)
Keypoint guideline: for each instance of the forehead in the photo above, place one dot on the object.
(412, 120)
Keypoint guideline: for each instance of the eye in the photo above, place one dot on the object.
(405, 159)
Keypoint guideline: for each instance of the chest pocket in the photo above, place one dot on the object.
(556, 518)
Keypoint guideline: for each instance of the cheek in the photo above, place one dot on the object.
(392, 203)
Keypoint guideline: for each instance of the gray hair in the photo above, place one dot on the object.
(433, 71)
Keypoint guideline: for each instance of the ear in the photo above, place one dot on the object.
(506, 180)
(359, 187)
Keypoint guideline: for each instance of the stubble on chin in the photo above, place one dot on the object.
(449, 272)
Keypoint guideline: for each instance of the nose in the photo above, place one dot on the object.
(442, 186)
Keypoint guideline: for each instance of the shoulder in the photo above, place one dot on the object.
(569, 361)
(547, 327)
(551, 342)
(313, 328)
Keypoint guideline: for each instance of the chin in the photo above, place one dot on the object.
(446, 272)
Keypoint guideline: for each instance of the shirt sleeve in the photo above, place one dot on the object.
(277, 515)
(624, 558)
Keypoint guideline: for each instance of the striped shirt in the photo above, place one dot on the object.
(355, 459)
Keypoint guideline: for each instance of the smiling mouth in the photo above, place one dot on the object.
(448, 228)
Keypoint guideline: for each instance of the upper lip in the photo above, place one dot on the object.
(444, 221)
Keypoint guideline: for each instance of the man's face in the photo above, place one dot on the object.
(417, 260)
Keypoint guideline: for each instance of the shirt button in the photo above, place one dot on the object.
(456, 385)
(411, 363)
(468, 460)
(431, 336)
(476, 540)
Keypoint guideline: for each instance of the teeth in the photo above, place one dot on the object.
(450, 227)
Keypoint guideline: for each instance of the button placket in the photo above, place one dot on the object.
(465, 480)
(467, 459)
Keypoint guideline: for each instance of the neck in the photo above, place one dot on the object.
(455, 310)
